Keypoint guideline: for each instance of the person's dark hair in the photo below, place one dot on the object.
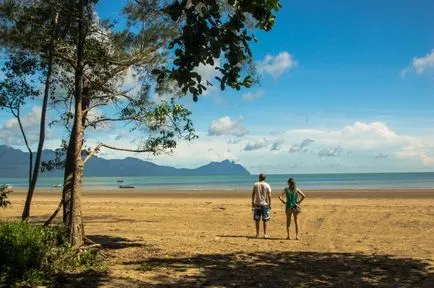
(291, 183)
(262, 177)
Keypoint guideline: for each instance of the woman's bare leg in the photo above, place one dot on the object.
(296, 225)
(288, 223)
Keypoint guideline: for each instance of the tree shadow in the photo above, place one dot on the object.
(250, 237)
(88, 279)
(115, 242)
(290, 269)
(104, 218)
(110, 219)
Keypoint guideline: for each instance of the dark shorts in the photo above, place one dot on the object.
(292, 210)
(261, 212)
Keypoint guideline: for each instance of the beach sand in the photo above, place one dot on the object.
(363, 238)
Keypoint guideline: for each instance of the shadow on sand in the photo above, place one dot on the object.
(104, 218)
(88, 279)
(250, 237)
(116, 242)
(291, 269)
(260, 269)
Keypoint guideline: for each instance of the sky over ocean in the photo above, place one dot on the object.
(346, 86)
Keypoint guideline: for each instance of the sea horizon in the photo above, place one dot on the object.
(314, 181)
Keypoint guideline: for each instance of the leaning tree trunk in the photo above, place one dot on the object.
(68, 180)
(34, 179)
(69, 163)
(76, 233)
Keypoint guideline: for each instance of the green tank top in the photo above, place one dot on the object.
(291, 198)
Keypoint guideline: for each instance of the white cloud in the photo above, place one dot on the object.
(130, 77)
(331, 152)
(194, 154)
(423, 63)
(96, 114)
(420, 64)
(10, 133)
(253, 95)
(373, 128)
(255, 145)
(275, 146)
(417, 152)
(326, 153)
(226, 126)
(122, 134)
(31, 120)
(381, 155)
(301, 146)
(368, 137)
(277, 65)
(234, 141)
(364, 136)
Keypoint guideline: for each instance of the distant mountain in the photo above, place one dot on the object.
(15, 163)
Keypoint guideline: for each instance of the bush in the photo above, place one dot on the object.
(27, 251)
(30, 254)
(4, 200)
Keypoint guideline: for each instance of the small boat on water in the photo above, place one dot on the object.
(57, 185)
(126, 186)
(120, 181)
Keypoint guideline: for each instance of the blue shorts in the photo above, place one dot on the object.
(261, 212)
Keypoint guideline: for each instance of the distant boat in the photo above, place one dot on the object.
(120, 181)
(57, 185)
(126, 186)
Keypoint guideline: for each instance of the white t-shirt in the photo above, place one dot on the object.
(261, 190)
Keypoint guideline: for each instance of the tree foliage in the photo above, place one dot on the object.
(17, 86)
(93, 57)
(215, 30)
(4, 200)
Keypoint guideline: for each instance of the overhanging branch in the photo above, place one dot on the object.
(96, 149)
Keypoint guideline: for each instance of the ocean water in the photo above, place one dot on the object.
(423, 180)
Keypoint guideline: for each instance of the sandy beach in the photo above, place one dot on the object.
(363, 238)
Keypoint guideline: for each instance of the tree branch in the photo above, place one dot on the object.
(98, 147)
(17, 115)
(127, 150)
(93, 123)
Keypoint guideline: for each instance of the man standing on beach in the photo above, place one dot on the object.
(261, 203)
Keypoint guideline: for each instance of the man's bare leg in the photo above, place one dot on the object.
(257, 228)
(265, 230)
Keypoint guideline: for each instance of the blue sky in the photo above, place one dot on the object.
(347, 86)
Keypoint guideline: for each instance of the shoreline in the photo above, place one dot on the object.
(310, 193)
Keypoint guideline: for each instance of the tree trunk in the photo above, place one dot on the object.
(48, 222)
(26, 211)
(75, 216)
(76, 233)
(68, 180)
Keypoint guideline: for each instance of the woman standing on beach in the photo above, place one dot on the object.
(292, 204)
